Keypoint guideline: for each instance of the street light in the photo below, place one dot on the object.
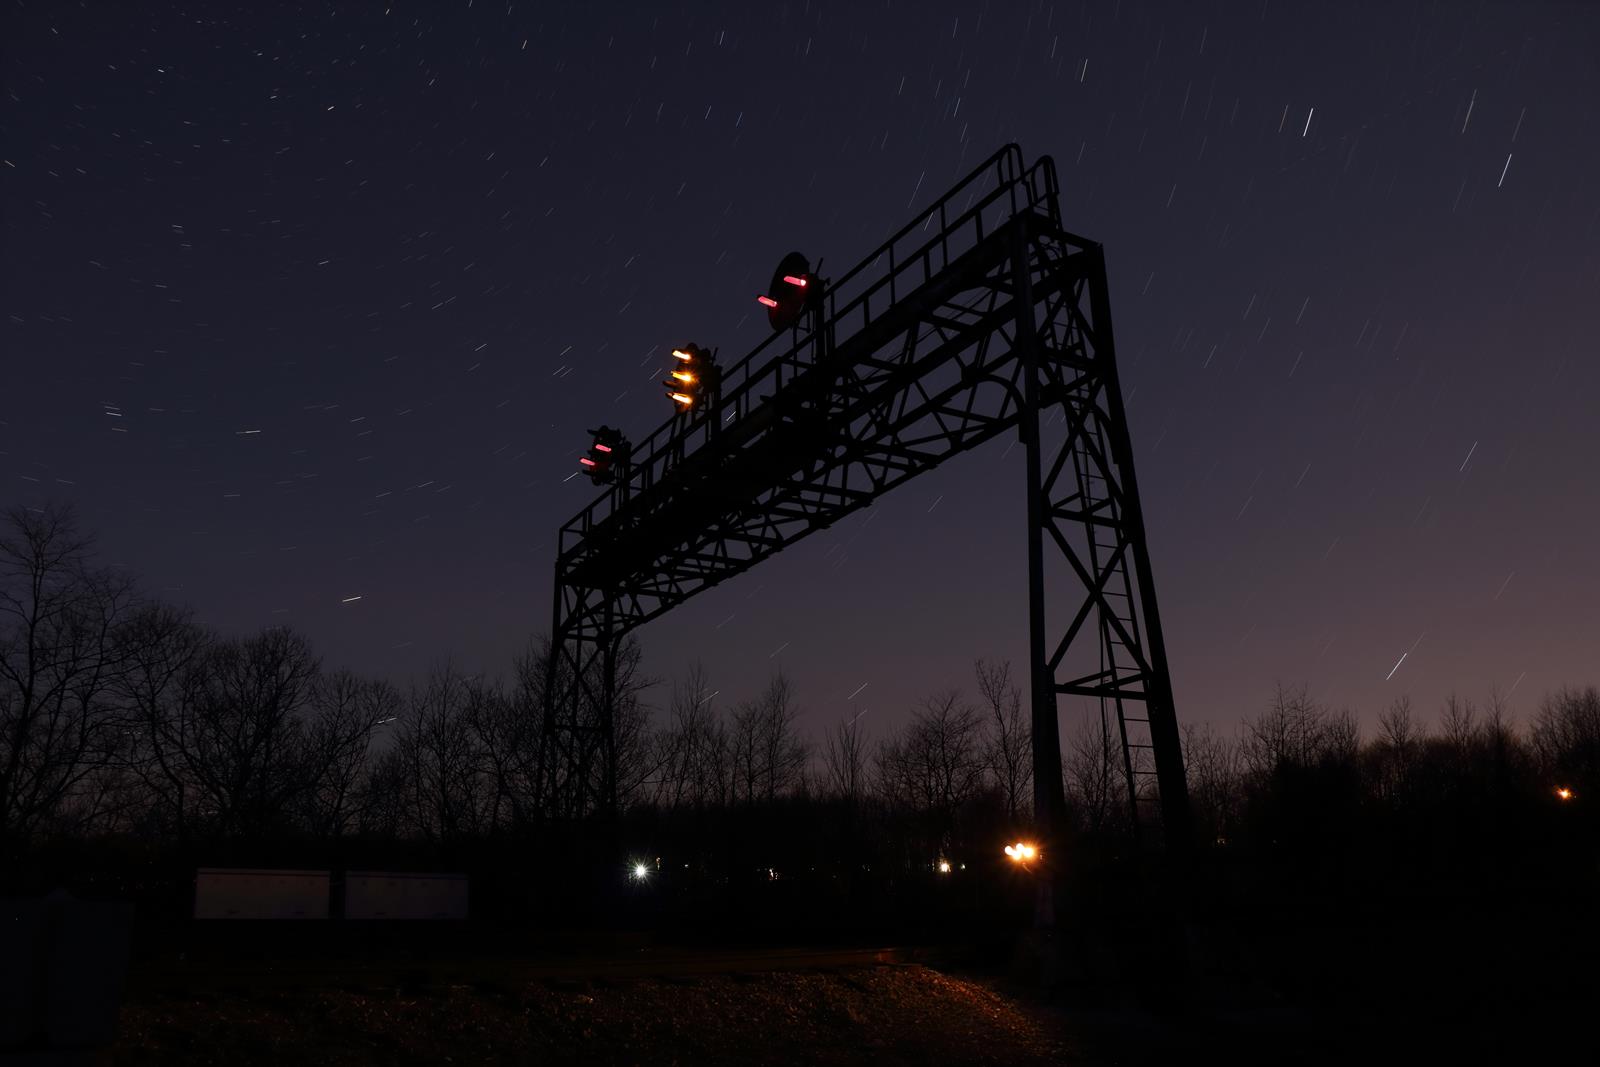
(1022, 853)
(1563, 793)
(641, 871)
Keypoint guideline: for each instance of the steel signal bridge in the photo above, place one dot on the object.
(983, 315)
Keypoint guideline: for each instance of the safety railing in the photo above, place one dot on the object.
(988, 198)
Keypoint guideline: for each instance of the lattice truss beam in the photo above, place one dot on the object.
(844, 433)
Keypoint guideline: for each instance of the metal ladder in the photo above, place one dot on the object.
(1120, 663)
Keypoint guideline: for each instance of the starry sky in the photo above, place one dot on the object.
(312, 302)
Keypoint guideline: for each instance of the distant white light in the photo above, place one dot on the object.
(1022, 852)
(640, 872)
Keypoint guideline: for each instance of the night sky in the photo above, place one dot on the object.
(306, 303)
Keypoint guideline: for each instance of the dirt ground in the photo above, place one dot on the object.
(889, 1015)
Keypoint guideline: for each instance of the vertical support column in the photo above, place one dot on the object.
(607, 800)
(1164, 740)
(579, 714)
(550, 756)
(1049, 802)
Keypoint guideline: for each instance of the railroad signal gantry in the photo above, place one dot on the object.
(981, 316)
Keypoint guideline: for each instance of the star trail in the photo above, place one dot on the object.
(307, 308)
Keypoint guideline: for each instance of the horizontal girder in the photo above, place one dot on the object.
(922, 385)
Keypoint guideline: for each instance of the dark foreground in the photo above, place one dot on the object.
(884, 1014)
(481, 995)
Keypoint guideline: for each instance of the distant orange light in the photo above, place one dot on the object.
(1564, 793)
(681, 354)
(683, 398)
(768, 301)
(683, 376)
(792, 280)
(1022, 852)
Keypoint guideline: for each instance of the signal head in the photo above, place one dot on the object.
(608, 448)
(793, 291)
(692, 377)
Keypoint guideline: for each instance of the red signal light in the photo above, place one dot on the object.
(607, 449)
(792, 294)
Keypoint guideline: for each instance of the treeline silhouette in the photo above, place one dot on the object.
(134, 739)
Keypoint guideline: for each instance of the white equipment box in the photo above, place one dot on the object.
(398, 895)
(229, 893)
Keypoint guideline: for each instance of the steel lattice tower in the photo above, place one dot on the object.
(982, 315)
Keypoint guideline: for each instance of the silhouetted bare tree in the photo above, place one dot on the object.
(1094, 776)
(160, 695)
(769, 756)
(1502, 753)
(1458, 727)
(1394, 756)
(345, 715)
(1294, 731)
(1212, 765)
(436, 768)
(244, 739)
(1009, 750)
(694, 761)
(845, 756)
(640, 754)
(935, 764)
(118, 713)
(507, 730)
(1566, 739)
(62, 649)
(508, 727)
(1396, 726)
